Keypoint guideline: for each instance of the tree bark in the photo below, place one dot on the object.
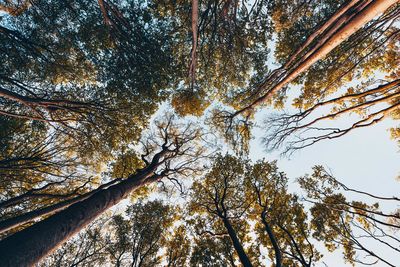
(13, 222)
(103, 9)
(244, 259)
(29, 246)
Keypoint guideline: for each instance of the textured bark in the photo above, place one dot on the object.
(13, 222)
(27, 247)
(358, 21)
(244, 259)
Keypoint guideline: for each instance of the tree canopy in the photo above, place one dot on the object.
(125, 131)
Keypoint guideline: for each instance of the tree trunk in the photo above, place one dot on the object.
(358, 21)
(244, 259)
(278, 254)
(13, 222)
(27, 247)
(193, 60)
(103, 9)
(327, 24)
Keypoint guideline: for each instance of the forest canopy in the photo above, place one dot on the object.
(125, 131)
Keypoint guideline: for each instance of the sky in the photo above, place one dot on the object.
(365, 159)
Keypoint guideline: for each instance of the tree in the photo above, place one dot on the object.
(69, 100)
(281, 219)
(80, 78)
(325, 61)
(228, 43)
(141, 235)
(176, 155)
(235, 194)
(133, 238)
(216, 197)
(351, 21)
(16, 219)
(353, 225)
(36, 170)
(248, 204)
(177, 248)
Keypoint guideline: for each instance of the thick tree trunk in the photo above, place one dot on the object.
(27, 247)
(358, 21)
(278, 254)
(244, 259)
(13, 222)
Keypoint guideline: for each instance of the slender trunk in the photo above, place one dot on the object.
(41, 102)
(278, 254)
(103, 9)
(367, 14)
(244, 259)
(29, 246)
(296, 247)
(193, 60)
(339, 23)
(11, 223)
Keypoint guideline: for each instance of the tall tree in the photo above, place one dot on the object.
(217, 196)
(176, 153)
(134, 238)
(80, 76)
(341, 220)
(350, 21)
(228, 43)
(235, 194)
(317, 55)
(281, 219)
